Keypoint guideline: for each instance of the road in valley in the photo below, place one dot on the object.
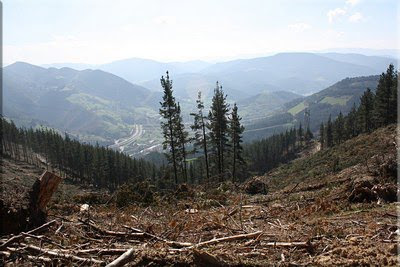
(136, 133)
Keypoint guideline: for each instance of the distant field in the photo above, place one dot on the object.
(336, 100)
(298, 108)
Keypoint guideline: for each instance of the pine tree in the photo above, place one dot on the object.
(307, 117)
(200, 135)
(385, 105)
(218, 125)
(350, 124)
(365, 111)
(329, 133)
(393, 99)
(338, 132)
(300, 134)
(182, 140)
(236, 131)
(322, 135)
(168, 112)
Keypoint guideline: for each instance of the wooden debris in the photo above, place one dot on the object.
(61, 254)
(170, 243)
(226, 239)
(22, 235)
(128, 256)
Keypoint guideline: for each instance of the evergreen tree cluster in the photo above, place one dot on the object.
(375, 110)
(82, 163)
(268, 153)
(216, 143)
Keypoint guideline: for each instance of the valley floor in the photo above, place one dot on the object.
(304, 220)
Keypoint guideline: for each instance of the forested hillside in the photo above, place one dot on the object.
(337, 98)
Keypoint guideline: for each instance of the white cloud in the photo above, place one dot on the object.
(334, 13)
(356, 17)
(352, 2)
(299, 27)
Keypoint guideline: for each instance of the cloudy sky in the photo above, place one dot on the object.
(99, 31)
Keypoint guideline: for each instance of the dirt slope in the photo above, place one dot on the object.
(306, 219)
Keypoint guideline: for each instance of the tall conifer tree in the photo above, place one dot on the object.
(168, 112)
(236, 131)
(365, 111)
(182, 140)
(200, 131)
(329, 133)
(218, 125)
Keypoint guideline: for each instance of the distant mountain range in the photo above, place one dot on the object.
(97, 105)
(300, 73)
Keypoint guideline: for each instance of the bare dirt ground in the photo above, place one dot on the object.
(300, 223)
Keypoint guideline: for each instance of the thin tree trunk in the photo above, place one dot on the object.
(205, 147)
(234, 162)
(173, 150)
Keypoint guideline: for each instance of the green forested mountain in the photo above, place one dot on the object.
(91, 103)
(339, 97)
(264, 104)
(94, 105)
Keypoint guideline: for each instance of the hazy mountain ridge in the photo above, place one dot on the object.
(301, 73)
(100, 106)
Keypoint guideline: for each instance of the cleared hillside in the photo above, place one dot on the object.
(307, 218)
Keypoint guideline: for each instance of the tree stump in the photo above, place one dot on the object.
(39, 197)
(29, 210)
(48, 185)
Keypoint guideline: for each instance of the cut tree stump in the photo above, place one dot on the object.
(31, 209)
(40, 195)
(48, 185)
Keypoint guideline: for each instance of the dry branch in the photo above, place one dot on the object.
(113, 233)
(101, 251)
(226, 239)
(170, 243)
(22, 235)
(123, 259)
(288, 244)
(61, 254)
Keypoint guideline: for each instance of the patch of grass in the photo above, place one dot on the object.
(336, 100)
(298, 108)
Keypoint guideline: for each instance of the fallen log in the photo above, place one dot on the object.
(22, 235)
(128, 256)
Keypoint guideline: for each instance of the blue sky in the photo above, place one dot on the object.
(98, 31)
